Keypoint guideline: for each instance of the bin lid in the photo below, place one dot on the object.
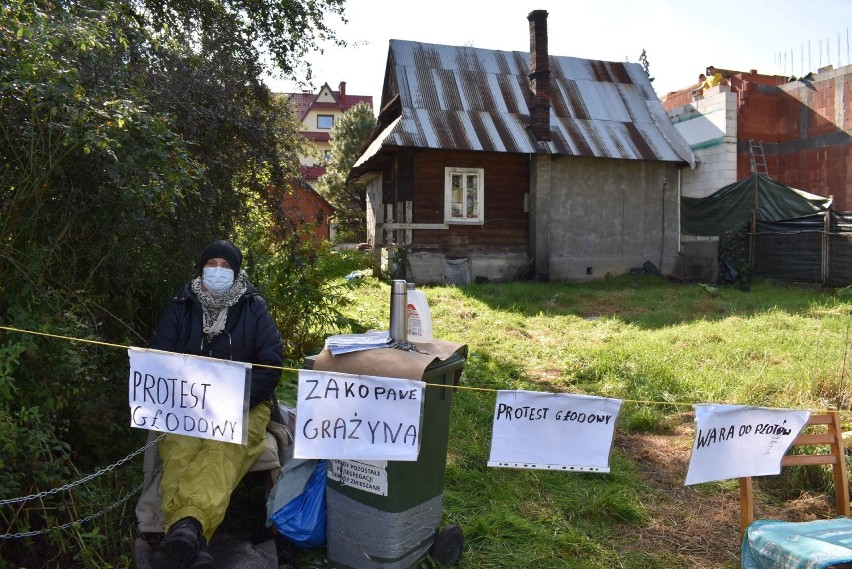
(390, 362)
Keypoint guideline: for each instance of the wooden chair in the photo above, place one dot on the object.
(832, 438)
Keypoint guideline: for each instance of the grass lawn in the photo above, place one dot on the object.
(659, 346)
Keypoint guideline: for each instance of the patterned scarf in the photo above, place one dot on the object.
(215, 310)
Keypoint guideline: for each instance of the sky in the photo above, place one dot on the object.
(784, 37)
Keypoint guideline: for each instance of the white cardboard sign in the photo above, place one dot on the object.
(357, 417)
(554, 431)
(189, 395)
(367, 475)
(732, 441)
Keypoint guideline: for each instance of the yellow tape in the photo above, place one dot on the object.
(467, 387)
(99, 343)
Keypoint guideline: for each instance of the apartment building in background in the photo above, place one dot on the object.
(317, 112)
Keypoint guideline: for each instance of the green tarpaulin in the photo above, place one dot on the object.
(732, 207)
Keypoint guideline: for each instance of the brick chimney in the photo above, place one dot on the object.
(342, 90)
(539, 76)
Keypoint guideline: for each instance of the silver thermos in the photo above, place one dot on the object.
(399, 311)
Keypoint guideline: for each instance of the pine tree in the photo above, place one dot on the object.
(349, 132)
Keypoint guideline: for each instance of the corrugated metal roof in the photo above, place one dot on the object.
(467, 98)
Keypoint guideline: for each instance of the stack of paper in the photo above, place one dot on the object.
(345, 343)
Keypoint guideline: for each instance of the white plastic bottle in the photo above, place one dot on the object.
(419, 316)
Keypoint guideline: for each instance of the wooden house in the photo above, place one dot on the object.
(304, 207)
(499, 165)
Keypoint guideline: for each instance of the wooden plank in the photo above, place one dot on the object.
(388, 235)
(820, 420)
(400, 215)
(808, 459)
(408, 219)
(746, 502)
(389, 226)
(815, 439)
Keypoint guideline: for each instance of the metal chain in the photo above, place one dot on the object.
(67, 525)
(82, 480)
(406, 346)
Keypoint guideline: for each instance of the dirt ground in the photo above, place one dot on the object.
(698, 525)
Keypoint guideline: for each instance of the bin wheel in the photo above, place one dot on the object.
(447, 548)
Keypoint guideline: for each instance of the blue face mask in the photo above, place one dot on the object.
(217, 280)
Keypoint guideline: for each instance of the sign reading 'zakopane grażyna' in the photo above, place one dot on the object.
(187, 395)
(357, 417)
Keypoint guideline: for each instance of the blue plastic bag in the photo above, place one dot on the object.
(302, 519)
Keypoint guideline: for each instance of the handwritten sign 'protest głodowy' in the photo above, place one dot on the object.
(197, 397)
(556, 431)
(346, 416)
(732, 441)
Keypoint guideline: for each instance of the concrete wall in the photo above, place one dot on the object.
(608, 216)
(436, 268)
(427, 268)
(709, 125)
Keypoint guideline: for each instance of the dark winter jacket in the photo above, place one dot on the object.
(249, 336)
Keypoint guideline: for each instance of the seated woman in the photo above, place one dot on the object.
(218, 314)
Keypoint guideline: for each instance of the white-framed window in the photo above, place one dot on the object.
(325, 121)
(464, 190)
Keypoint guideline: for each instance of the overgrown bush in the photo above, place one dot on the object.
(127, 142)
(302, 279)
(62, 409)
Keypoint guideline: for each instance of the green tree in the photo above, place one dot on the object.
(348, 134)
(286, 30)
(86, 170)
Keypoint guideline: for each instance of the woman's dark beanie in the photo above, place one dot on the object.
(223, 249)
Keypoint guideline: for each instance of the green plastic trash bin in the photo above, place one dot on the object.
(389, 516)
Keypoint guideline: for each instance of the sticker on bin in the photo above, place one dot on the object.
(553, 431)
(367, 475)
(357, 417)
